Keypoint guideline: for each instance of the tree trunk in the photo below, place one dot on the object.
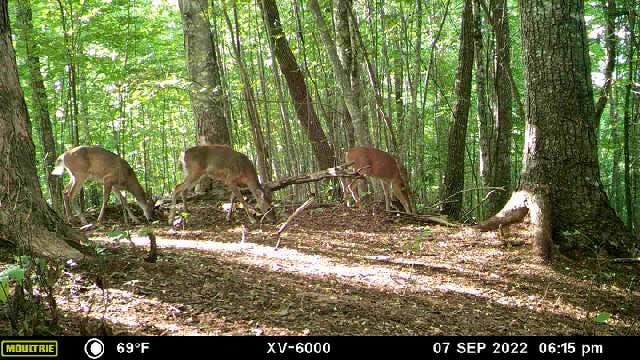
(454, 175)
(339, 70)
(68, 32)
(628, 195)
(26, 220)
(615, 167)
(500, 161)
(262, 152)
(485, 127)
(206, 94)
(347, 56)
(375, 86)
(40, 104)
(297, 87)
(560, 183)
(398, 88)
(414, 77)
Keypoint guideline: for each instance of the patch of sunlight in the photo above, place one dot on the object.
(381, 277)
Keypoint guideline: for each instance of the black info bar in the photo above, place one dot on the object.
(319, 347)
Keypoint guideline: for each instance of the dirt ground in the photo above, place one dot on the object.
(338, 271)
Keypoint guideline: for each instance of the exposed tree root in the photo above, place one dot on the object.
(521, 203)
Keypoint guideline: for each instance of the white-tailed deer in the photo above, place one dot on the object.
(378, 164)
(222, 163)
(95, 163)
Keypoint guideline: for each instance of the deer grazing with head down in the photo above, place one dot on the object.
(378, 164)
(222, 163)
(95, 163)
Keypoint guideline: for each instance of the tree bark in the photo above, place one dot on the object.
(26, 221)
(347, 58)
(339, 70)
(454, 174)
(262, 152)
(560, 182)
(628, 195)
(206, 91)
(40, 103)
(500, 161)
(615, 167)
(375, 86)
(485, 128)
(297, 87)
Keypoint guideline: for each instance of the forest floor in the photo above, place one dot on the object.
(339, 271)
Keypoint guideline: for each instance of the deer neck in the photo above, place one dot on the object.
(136, 190)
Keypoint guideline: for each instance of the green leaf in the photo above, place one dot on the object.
(118, 235)
(4, 290)
(602, 318)
(13, 272)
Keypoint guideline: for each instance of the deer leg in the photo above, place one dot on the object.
(238, 194)
(387, 195)
(127, 210)
(344, 185)
(65, 198)
(231, 206)
(179, 189)
(76, 186)
(353, 189)
(106, 191)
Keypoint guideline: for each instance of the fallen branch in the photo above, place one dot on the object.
(338, 171)
(438, 219)
(293, 216)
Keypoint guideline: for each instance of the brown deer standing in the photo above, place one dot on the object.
(95, 163)
(222, 163)
(378, 164)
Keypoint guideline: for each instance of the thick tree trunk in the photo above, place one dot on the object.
(561, 178)
(26, 220)
(206, 91)
(297, 87)
(40, 104)
(454, 174)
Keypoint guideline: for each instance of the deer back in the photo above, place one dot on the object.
(375, 163)
(221, 163)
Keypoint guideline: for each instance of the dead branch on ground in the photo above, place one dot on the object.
(293, 216)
